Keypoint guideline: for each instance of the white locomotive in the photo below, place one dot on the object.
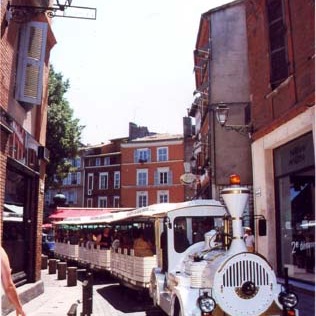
(199, 268)
(210, 279)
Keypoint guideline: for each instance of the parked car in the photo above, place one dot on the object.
(48, 244)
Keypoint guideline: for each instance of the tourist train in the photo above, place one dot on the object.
(192, 259)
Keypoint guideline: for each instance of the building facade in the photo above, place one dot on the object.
(281, 47)
(102, 175)
(256, 59)
(26, 42)
(222, 81)
(151, 169)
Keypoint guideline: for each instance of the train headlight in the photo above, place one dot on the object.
(206, 303)
(288, 299)
(248, 289)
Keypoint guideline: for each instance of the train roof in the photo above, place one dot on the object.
(151, 211)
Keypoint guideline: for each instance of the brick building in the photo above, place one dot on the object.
(257, 60)
(281, 48)
(102, 175)
(150, 170)
(26, 42)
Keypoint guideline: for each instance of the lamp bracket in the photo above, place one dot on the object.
(25, 13)
(245, 130)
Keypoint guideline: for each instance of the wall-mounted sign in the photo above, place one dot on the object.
(187, 178)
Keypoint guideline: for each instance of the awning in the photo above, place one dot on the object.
(14, 209)
(13, 213)
(65, 212)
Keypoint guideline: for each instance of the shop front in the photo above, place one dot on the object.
(21, 208)
(294, 174)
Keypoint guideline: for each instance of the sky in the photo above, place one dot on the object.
(134, 63)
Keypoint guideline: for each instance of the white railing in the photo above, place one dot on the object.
(127, 267)
(132, 269)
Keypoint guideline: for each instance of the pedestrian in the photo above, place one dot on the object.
(249, 239)
(7, 284)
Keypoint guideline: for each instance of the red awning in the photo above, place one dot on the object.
(65, 212)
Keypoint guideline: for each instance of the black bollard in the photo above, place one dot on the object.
(44, 262)
(87, 293)
(71, 276)
(52, 266)
(61, 270)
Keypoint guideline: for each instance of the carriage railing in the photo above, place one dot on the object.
(122, 263)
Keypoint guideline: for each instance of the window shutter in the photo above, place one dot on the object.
(78, 177)
(149, 155)
(31, 63)
(156, 177)
(135, 155)
(170, 177)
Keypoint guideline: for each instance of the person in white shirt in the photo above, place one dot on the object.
(249, 239)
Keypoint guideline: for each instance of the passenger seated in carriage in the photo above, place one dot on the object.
(142, 248)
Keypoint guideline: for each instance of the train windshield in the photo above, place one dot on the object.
(190, 230)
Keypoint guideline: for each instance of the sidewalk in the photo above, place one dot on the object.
(58, 298)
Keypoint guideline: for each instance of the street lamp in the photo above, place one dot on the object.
(221, 112)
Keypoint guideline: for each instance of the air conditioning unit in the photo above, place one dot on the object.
(89, 192)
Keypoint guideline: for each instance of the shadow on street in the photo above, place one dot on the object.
(134, 301)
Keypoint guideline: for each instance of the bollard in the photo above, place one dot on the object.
(61, 270)
(71, 276)
(52, 265)
(87, 291)
(73, 310)
(44, 262)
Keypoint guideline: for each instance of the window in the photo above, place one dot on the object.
(103, 180)
(75, 178)
(78, 162)
(102, 201)
(277, 38)
(71, 197)
(117, 179)
(32, 47)
(162, 154)
(163, 176)
(162, 196)
(116, 201)
(107, 161)
(97, 162)
(90, 181)
(89, 202)
(141, 199)
(142, 155)
(72, 178)
(189, 230)
(142, 176)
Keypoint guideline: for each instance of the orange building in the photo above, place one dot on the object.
(150, 170)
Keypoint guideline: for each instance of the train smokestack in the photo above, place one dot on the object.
(236, 198)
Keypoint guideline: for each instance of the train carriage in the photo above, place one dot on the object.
(200, 265)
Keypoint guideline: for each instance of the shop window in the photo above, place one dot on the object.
(295, 213)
